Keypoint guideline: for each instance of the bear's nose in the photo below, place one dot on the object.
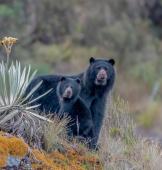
(68, 92)
(102, 74)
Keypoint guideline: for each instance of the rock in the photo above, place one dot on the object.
(13, 161)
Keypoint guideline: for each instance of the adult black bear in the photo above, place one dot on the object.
(96, 83)
(81, 124)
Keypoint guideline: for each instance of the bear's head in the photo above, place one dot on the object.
(68, 88)
(101, 71)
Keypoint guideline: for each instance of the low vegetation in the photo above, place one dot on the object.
(72, 158)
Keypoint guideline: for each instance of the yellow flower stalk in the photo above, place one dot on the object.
(8, 42)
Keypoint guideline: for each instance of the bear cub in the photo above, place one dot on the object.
(71, 104)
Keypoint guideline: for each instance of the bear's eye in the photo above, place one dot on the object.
(98, 68)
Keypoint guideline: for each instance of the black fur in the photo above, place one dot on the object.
(95, 96)
(81, 123)
(92, 94)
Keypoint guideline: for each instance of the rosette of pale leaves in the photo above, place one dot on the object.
(17, 113)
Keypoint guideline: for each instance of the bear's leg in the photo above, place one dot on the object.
(98, 112)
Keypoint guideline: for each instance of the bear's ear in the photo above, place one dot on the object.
(111, 61)
(78, 80)
(62, 78)
(91, 60)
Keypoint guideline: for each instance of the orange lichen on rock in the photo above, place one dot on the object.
(53, 161)
(17, 147)
(65, 162)
(42, 161)
(71, 159)
(3, 154)
(11, 146)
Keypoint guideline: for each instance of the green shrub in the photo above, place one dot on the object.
(147, 72)
(6, 11)
(148, 117)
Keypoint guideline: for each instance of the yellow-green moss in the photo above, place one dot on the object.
(71, 159)
(17, 147)
(3, 154)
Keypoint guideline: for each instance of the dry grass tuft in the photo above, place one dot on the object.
(120, 148)
(55, 133)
